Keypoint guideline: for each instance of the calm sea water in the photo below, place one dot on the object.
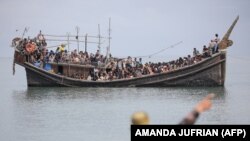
(103, 114)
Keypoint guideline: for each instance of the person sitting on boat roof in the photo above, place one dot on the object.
(142, 118)
(51, 58)
(206, 52)
(129, 62)
(140, 61)
(75, 52)
(61, 48)
(180, 62)
(133, 63)
(57, 57)
(217, 41)
(51, 52)
(195, 52)
(41, 40)
(40, 36)
(190, 60)
(211, 46)
(64, 56)
(97, 53)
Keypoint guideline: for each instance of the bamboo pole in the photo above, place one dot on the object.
(86, 36)
(77, 37)
(99, 37)
(109, 31)
(68, 40)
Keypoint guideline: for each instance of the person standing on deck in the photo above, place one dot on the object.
(211, 47)
(217, 41)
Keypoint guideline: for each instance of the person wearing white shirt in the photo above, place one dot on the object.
(217, 41)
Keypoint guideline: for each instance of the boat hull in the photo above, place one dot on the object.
(209, 72)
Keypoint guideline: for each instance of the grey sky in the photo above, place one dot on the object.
(139, 27)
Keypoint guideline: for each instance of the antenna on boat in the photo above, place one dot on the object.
(77, 37)
(99, 38)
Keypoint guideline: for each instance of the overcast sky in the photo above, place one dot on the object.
(139, 27)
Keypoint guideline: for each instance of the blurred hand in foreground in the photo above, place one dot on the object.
(205, 104)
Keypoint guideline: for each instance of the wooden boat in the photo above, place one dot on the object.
(208, 72)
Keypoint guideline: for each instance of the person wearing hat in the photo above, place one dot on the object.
(142, 118)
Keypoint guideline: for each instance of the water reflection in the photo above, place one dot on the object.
(111, 94)
(65, 92)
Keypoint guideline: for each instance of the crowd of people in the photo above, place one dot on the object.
(63, 56)
(108, 68)
(130, 68)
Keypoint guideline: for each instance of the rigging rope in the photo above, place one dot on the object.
(70, 40)
(56, 45)
(150, 55)
(74, 36)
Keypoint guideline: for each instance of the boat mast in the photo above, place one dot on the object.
(68, 51)
(99, 37)
(77, 37)
(86, 36)
(25, 30)
(68, 40)
(108, 48)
